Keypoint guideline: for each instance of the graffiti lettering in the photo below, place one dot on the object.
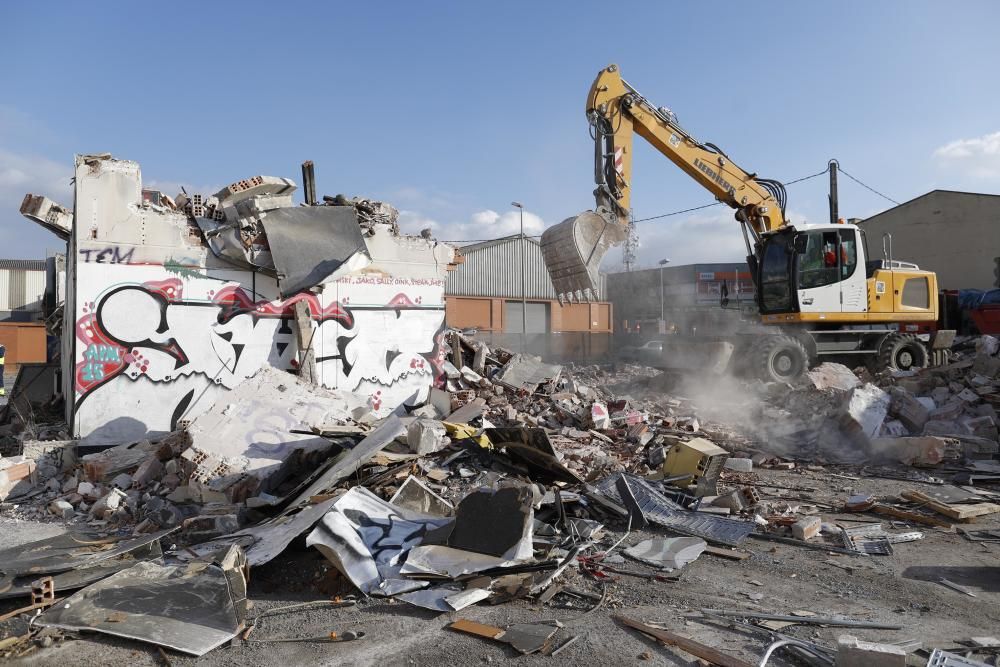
(150, 355)
(102, 353)
(109, 255)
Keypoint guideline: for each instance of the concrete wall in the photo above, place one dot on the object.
(954, 234)
(161, 328)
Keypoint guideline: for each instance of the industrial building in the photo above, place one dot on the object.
(22, 289)
(23, 304)
(955, 234)
(485, 293)
(685, 298)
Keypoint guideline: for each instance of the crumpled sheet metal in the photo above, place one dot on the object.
(446, 598)
(310, 243)
(367, 538)
(77, 578)
(69, 551)
(662, 511)
(192, 608)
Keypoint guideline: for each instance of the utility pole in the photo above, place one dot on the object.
(524, 300)
(834, 204)
(663, 323)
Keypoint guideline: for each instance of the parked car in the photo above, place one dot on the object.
(648, 353)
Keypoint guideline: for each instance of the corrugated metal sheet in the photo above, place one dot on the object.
(23, 264)
(22, 290)
(494, 269)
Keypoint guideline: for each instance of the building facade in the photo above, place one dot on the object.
(954, 234)
(163, 318)
(485, 293)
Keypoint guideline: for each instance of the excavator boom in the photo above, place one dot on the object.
(574, 248)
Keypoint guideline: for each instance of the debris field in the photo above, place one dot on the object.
(571, 513)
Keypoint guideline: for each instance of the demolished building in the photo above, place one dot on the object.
(171, 303)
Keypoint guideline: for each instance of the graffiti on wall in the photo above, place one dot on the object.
(173, 354)
(109, 255)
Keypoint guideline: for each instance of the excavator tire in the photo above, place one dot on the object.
(779, 359)
(902, 352)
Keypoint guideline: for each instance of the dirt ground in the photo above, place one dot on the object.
(900, 589)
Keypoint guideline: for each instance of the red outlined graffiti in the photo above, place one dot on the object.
(103, 359)
(233, 301)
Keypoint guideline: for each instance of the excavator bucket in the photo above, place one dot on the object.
(573, 251)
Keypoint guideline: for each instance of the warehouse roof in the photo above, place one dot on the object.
(22, 264)
(481, 245)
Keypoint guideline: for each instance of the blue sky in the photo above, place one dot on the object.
(452, 110)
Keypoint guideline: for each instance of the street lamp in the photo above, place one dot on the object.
(524, 302)
(663, 263)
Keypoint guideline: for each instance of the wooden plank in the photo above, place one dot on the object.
(911, 516)
(304, 338)
(727, 553)
(473, 628)
(957, 512)
(686, 644)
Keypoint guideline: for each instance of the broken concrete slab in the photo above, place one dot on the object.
(853, 652)
(667, 553)
(189, 609)
(910, 411)
(240, 446)
(864, 410)
(525, 373)
(829, 375)
(425, 436)
(266, 540)
(806, 528)
(912, 450)
(17, 476)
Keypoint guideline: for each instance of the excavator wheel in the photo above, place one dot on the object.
(902, 352)
(779, 359)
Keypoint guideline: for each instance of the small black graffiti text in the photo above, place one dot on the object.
(109, 255)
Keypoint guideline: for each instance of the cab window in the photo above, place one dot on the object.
(827, 257)
(775, 288)
(818, 259)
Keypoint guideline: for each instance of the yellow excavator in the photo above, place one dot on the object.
(814, 284)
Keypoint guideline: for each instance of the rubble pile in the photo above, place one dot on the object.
(515, 479)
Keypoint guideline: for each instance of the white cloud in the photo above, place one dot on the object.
(21, 173)
(483, 224)
(978, 157)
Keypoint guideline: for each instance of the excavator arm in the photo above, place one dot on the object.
(573, 249)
